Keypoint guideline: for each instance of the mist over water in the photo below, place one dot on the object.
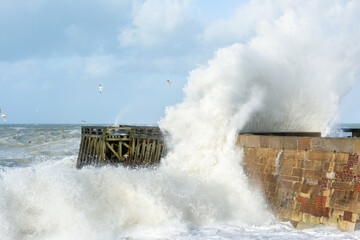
(289, 77)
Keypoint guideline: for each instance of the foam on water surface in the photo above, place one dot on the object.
(290, 76)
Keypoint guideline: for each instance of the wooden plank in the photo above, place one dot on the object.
(147, 153)
(112, 149)
(142, 144)
(82, 160)
(94, 150)
(103, 151)
(158, 152)
(120, 151)
(152, 156)
(132, 151)
(80, 156)
(98, 151)
(137, 154)
(92, 140)
(126, 145)
(88, 141)
(143, 150)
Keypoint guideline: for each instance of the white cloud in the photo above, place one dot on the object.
(100, 66)
(241, 25)
(152, 19)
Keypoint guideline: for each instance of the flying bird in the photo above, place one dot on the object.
(3, 116)
(100, 88)
(168, 82)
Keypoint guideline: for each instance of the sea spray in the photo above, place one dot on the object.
(277, 163)
(289, 77)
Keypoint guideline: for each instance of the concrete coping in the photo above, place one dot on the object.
(318, 144)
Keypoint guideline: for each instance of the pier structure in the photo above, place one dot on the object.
(123, 144)
(306, 179)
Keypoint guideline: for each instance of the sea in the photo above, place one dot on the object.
(44, 196)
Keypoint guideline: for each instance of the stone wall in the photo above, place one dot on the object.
(305, 180)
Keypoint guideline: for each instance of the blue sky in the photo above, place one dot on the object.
(54, 54)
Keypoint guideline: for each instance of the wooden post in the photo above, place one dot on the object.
(99, 145)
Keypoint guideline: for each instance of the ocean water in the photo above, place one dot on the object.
(43, 196)
(290, 75)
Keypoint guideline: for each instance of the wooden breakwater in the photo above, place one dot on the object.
(126, 145)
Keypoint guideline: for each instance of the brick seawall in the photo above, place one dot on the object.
(306, 181)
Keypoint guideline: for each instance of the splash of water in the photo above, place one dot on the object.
(277, 163)
(289, 77)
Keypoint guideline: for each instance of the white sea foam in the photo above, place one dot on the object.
(289, 77)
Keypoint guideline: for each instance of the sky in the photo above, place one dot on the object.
(54, 55)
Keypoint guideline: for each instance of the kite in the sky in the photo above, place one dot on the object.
(168, 82)
(3, 116)
(83, 121)
(100, 88)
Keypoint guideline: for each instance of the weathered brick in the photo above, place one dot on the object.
(316, 211)
(300, 163)
(289, 155)
(250, 154)
(325, 144)
(353, 160)
(300, 155)
(356, 170)
(274, 142)
(264, 141)
(341, 157)
(319, 211)
(314, 174)
(319, 156)
(344, 186)
(319, 201)
(325, 184)
(339, 167)
(346, 145)
(308, 165)
(326, 166)
(356, 145)
(262, 168)
(356, 187)
(303, 144)
(318, 166)
(287, 161)
(270, 169)
(290, 178)
(285, 170)
(347, 216)
(271, 188)
(346, 226)
(306, 188)
(252, 141)
(305, 208)
(270, 178)
(312, 181)
(316, 190)
(297, 172)
(326, 212)
(288, 143)
(240, 140)
(294, 223)
(300, 199)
